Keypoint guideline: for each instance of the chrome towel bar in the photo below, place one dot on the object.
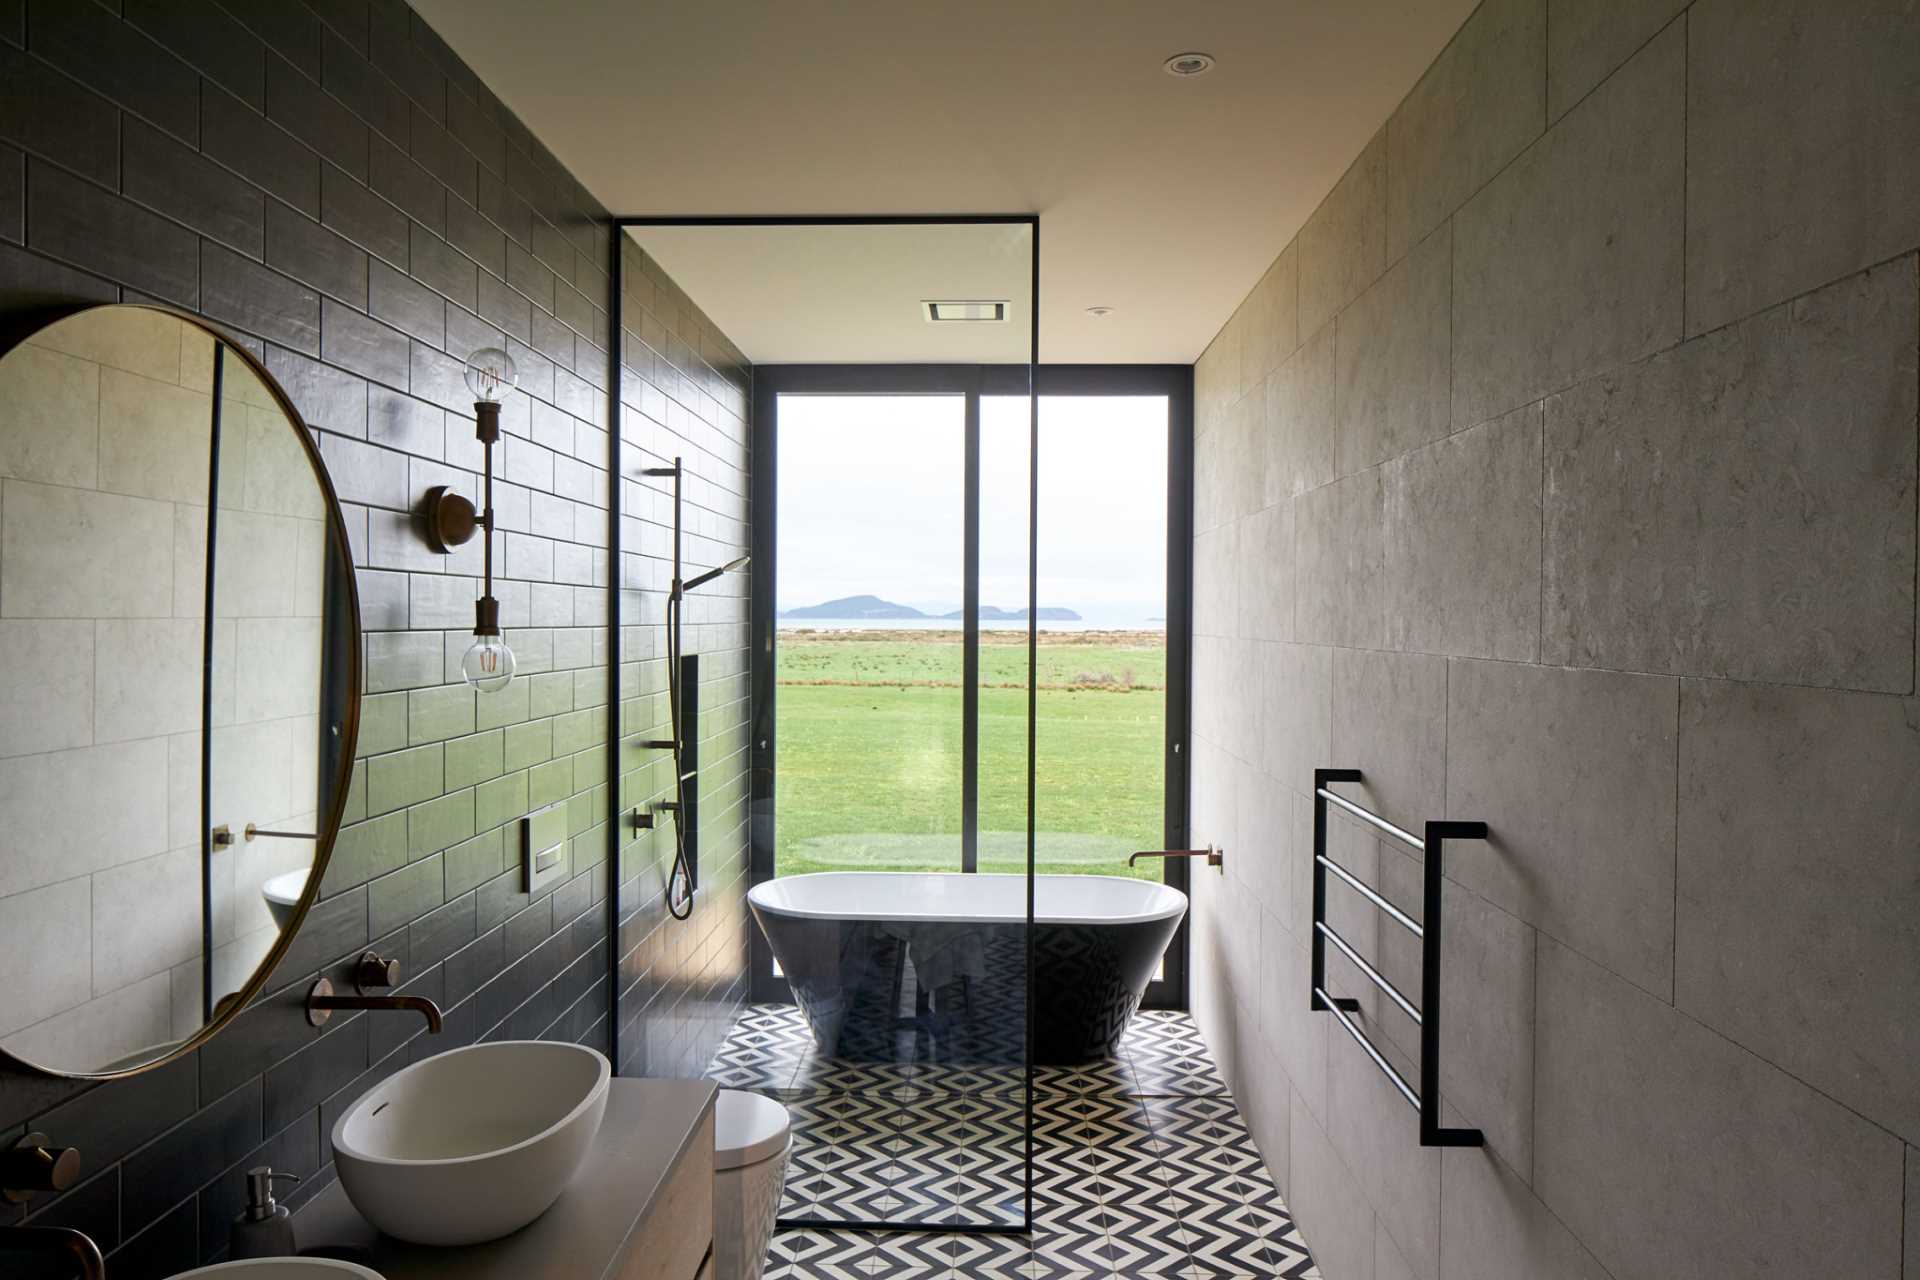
(1366, 891)
(1399, 1081)
(1369, 817)
(1426, 1100)
(1392, 991)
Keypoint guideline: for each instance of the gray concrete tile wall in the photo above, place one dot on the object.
(1494, 1228)
(1392, 361)
(1389, 709)
(1343, 246)
(1699, 503)
(1790, 103)
(1913, 1212)
(1462, 541)
(1804, 797)
(330, 185)
(1572, 770)
(1327, 1201)
(1759, 1175)
(1299, 440)
(1367, 1127)
(1474, 110)
(1568, 263)
(1658, 561)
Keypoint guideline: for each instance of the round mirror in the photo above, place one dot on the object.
(179, 686)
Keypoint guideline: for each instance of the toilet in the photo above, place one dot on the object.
(751, 1138)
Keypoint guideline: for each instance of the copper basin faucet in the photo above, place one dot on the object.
(1215, 857)
(369, 971)
(76, 1246)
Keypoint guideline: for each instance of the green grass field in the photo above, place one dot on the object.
(870, 751)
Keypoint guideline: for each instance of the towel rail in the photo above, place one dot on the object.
(1392, 991)
(1399, 1081)
(1371, 818)
(1365, 890)
(1425, 1100)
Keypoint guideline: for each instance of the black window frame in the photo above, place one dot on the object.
(770, 382)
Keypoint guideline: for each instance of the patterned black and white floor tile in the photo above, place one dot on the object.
(1142, 1165)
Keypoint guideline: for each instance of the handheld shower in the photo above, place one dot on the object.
(701, 580)
(680, 879)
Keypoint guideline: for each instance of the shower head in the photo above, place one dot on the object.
(702, 580)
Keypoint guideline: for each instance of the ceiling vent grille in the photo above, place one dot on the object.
(963, 311)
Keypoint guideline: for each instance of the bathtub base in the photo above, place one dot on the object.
(957, 992)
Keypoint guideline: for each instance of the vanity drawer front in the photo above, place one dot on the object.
(673, 1241)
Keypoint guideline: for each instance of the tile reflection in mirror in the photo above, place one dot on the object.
(126, 433)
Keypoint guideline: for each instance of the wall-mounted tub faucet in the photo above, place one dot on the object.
(1215, 857)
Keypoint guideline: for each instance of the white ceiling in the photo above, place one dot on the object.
(1162, 198)
(835, 294)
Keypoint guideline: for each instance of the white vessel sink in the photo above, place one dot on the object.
(282, 893)
(473, 1144)
(284, 1269)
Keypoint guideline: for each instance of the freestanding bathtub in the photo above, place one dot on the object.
(876, 955)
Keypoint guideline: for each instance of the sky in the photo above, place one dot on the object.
(870, 502)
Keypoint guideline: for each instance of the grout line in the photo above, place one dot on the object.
(1673, 961)
(1540, 615)
(1686, 89)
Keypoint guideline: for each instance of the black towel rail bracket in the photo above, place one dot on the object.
(1427, 1014)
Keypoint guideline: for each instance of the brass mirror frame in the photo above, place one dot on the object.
(335, 810)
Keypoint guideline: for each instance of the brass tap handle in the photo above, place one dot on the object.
(35, 1165)
(373, 971)
(1215, 857)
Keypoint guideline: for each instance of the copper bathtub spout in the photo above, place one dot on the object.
(1215, 857)
(321, 1002)
(76, 1246)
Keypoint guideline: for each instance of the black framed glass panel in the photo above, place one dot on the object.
(895, 990)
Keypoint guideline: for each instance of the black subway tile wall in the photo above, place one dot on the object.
(327, 183)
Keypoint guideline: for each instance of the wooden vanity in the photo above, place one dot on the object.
(641, 1207)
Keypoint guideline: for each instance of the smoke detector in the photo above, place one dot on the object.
(1099, 312)
(1189, 64)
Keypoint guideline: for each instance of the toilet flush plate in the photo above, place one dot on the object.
(543, 847)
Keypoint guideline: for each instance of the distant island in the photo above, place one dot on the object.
(873, 608)
(993, 613)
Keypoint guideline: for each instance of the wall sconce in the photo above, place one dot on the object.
(452, 520)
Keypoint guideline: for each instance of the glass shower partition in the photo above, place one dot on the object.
(891, 835)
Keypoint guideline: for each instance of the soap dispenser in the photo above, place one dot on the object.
(264, 1228)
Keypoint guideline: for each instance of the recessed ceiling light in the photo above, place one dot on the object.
(947, 310)
(1189, 64)
(1099, 312)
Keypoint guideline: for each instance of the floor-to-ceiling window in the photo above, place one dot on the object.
(887, 756)
(869, 672)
